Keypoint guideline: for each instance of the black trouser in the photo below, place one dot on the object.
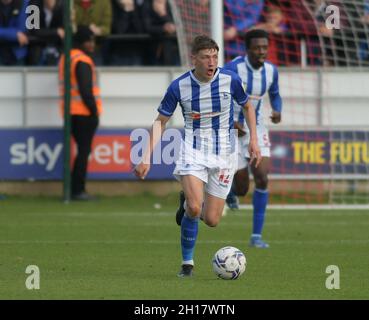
(83, 130)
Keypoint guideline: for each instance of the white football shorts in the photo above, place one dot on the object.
(243, 144)
(217, 174)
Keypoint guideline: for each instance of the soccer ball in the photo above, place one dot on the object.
(229, 263)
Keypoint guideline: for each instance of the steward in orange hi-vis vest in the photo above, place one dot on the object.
(85, 106)
(77, 106)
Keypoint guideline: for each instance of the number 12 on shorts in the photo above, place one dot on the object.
(224, 177)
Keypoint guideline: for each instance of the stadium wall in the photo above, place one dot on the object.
(312, 98)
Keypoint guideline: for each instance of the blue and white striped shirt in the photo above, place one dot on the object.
(257, 84)
(207, 108)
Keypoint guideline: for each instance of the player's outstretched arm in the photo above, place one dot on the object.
(157, 129)
(254, 150)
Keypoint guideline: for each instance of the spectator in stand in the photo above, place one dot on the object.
(13, 38)
(49, 38)
(239, 17)
(333, 39)
(352, 30)
(365, 17)
(97, 14)
(127, 19)
(274, 21)
(302, 29)
(364, 36)
(275, 25)
(159, 23)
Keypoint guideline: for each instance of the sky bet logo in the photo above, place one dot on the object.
(30, 153)
(109, 154)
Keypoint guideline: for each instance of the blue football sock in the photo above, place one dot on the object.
(259, 201)
(232, 192)
(189, 230)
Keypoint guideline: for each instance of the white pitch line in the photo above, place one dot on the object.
(169, 242)
(224, 221)
(312, 207)
(157, 213)
(154, 213)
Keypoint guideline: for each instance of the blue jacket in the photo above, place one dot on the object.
(12, 20)
(242, 15)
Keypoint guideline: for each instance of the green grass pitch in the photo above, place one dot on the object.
(128, 248)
